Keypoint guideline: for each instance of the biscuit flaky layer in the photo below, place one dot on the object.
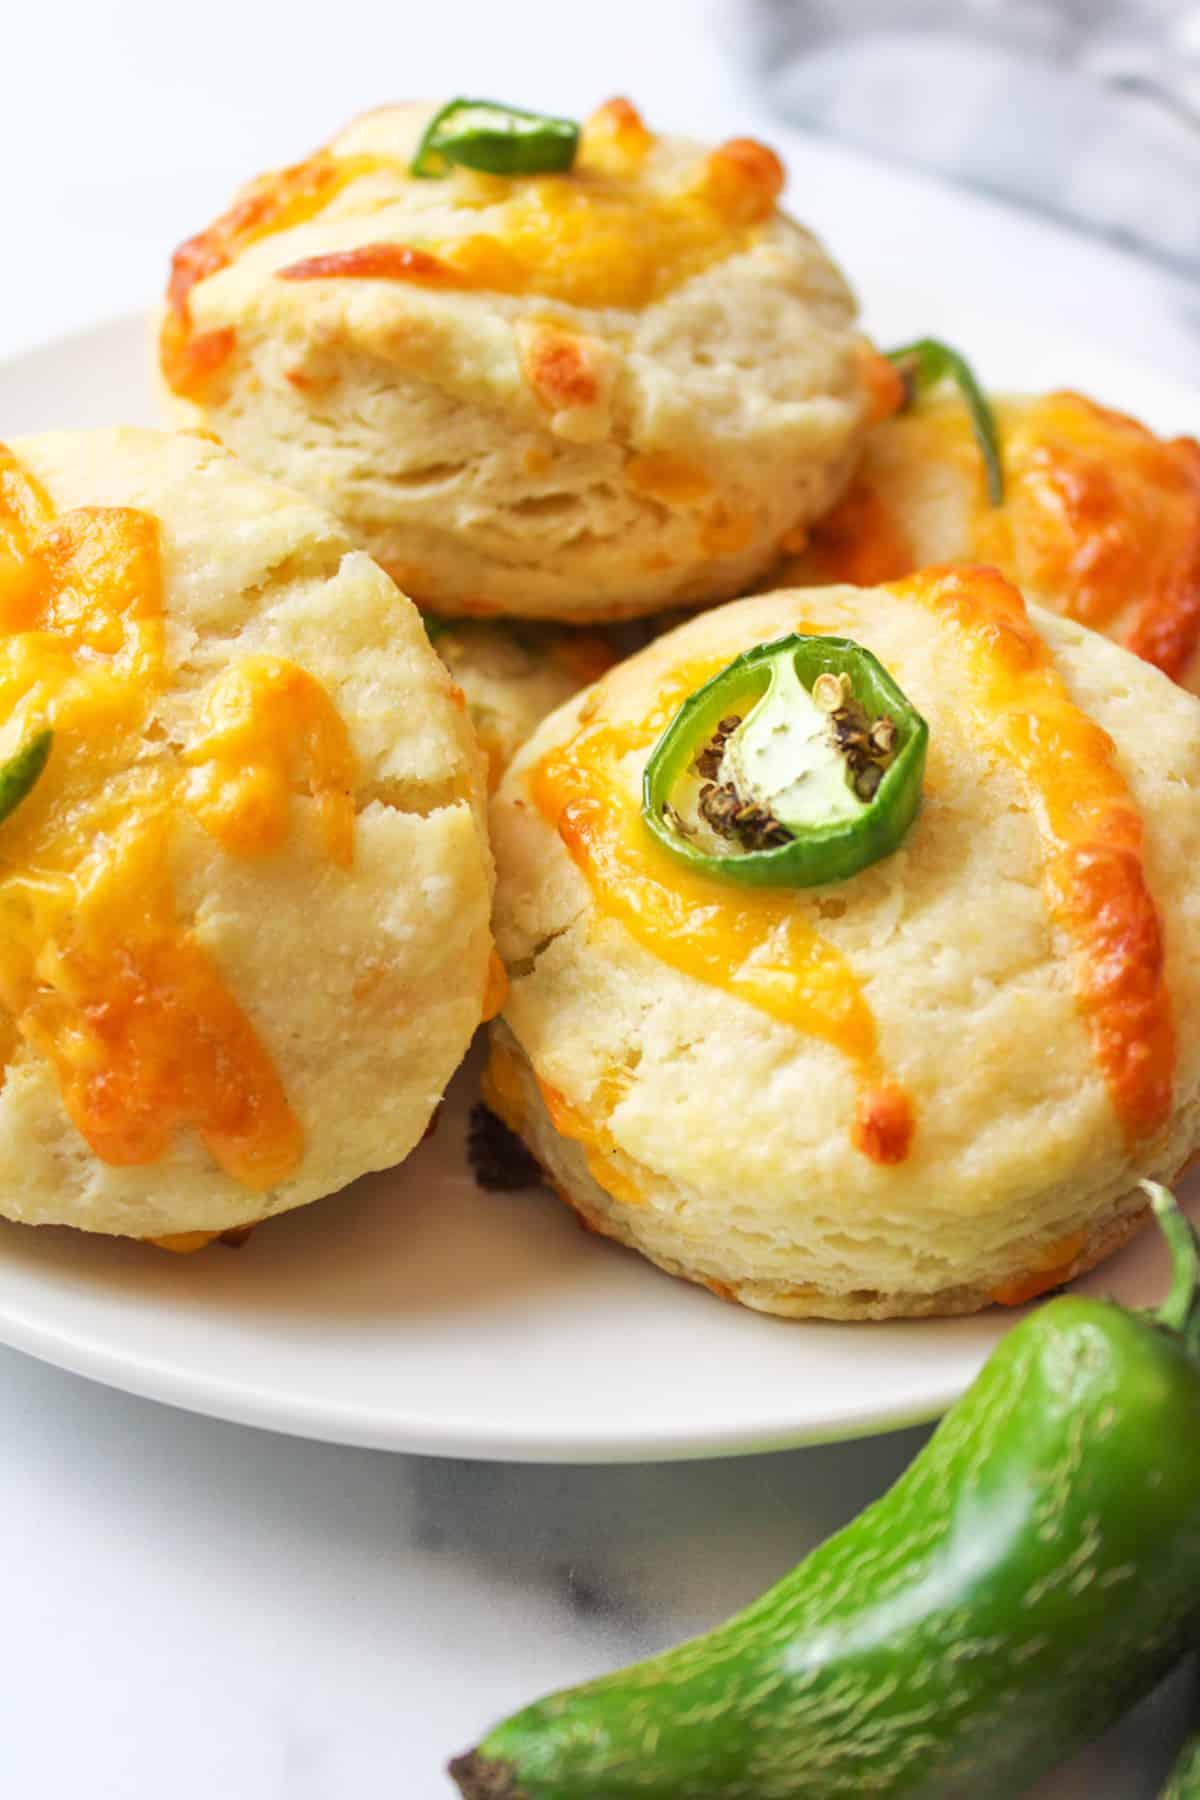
(804, 1290)
(691, 1124)
(518, 452)
(362, 977)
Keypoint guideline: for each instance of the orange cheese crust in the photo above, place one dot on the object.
(495, 991)
(882, 381)
(754, 943)
(270, 725)
(589, 1129)
(1101, 521)
(594, 237)
(860, 541)
(97, 971)
(558, 368)
(667, 476)
(1056, 1264)
(375, 262)
(1090, 828)
(615, 138)
(1105, 514)
(284, 198)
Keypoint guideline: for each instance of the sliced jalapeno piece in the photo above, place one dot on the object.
(926, 363)
(20, 772)
(496, 139)
(800, 763)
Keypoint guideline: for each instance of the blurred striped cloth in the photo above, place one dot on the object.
(1088, 110)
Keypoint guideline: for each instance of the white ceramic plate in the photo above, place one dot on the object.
(415, 1312)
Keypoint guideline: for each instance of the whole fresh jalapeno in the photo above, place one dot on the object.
(495, 139)
(1032, 1574)
(800, 763)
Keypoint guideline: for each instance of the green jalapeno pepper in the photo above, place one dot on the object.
(496, 139)
(926, 363)
(19, 773)
(798, 764)
(1034, 1572)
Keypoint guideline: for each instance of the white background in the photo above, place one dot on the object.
(195, 1611)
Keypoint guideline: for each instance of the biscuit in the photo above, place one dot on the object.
(930, 1086)
(582, 397)
(1101, 519)
(247, 935)
(512, 675)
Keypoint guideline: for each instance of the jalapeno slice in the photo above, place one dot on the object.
(20, 772)
(495, 139)
(927, 362)
(801, 763)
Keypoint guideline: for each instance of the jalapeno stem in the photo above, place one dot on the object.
(1180, 1311)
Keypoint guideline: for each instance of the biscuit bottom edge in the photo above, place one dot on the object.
(515, 1098)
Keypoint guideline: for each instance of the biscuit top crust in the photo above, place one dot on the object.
(1105, 514)
(272, 203)
(754, 943)
(97, 970)
(1090, 828)
(761, 946)
(1101, 519)
(632, 219)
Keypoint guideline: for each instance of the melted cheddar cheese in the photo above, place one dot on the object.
(754, 943)
(599, 236)
(1101, 519)
(1090, 828)
(1056, 1264)
(588, 1127)
(97, 970)
(860, 541)
(588, 239)
(271, 726)
(501, 1085)
(495, 990)
(1102, 514)
(275, 202)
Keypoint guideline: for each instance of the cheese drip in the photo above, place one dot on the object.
(754, 943)
(1090, 828)
(98, 972)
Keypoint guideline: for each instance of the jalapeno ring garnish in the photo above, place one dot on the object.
(21, 771)
(495, 139)
(926, 363)
(799, 764)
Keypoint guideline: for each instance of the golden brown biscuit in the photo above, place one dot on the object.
(246, 903)
(928, 1086)
(582, 396)
(1101, 520)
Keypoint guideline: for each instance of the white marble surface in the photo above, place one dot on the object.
(202, 1612)
(195, 1610)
